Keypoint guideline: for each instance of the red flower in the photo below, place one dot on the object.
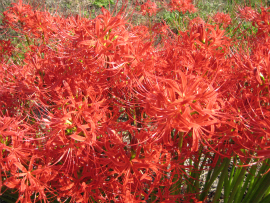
(222, 19)
(149, 7)
(182, 6)
(247, 13)
(197, 25)
(6, 49)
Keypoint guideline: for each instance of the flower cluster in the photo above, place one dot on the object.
(222, 19)
(149, 8)
(247, 13)
(94, 110)
(182, 6)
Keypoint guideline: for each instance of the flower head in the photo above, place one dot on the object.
(149, 7)
(222, 19)
(247, 13)
(182, 6)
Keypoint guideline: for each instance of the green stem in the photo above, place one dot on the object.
(7, 200)
(264, 186)
(180, 143)
(194, 180)
(216, 171)
(221, 181)
(226, 187)
(237, 184)
(256, 182)
(27, 39)
(228, 183)
(266, 199)
(250, 178)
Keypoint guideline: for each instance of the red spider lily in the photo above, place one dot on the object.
(222, 19)
(18, 12)
(96, 111)
(195, 21)
(149, 7)
(5, 50)
(182, 6)
(251, 96)
(22, 18)
(197, 25)
(28, 181)
(207, 36)
(247, 13)
(175, 107)
(261, 21)
(202, 32)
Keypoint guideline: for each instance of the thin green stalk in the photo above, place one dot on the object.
(228, 184)
(236, 174)
(266, 199)
(232, 172)
(207, 178)
(226, 187)
(9, 196)
(267, 192)
(240, 179)
(7, 200)
(194, 179)
(190, 163)
(265, 184)
(177, 185)
(180, 143)
(201, 169)
(221, 180)
(216, 171)
(27, 39)
(250, 178)
(240, 190)
(255, 184)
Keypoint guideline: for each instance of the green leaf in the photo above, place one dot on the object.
(103, 3)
